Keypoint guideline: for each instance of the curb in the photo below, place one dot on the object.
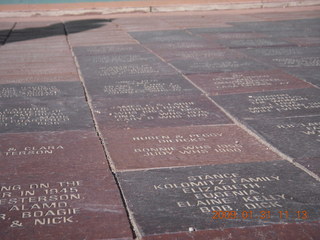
(159, 9)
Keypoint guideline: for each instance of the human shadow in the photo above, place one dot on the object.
(57, 29)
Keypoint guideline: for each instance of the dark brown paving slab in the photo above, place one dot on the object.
(62, 205)
(312, 164)
(148, 86)
(44, 91)
(157, 112)
(288, 231)
(240, 82)
(180, 198)
(276, 104)
(40, 152)
(184, 146)
(37, 115)
(222, 65)
(297, 137)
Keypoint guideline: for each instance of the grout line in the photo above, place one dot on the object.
(99, 135)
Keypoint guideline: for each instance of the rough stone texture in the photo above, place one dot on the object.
(184, 146)
(180, 198)
(157, 112)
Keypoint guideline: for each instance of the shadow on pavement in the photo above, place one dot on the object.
(66, 28)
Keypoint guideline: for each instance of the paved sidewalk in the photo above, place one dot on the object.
(189, 125)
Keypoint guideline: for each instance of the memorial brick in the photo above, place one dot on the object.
(219, 197)
(184, 146)
(157, 112)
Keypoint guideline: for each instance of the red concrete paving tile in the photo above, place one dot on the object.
(34, 59)
(184, 146)
(157, 112)
(61, 200)
(36, 66)
(38, 70)
(240, 82)
(30, 153)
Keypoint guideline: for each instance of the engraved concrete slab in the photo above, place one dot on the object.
(221, 65)
(40, 152)
(60, 77)
(305, 41)
(289, 51)
(148, 86)
(297, 137)
(110, 49)
(38, 115)
(184, 146)
(157, 112)
(196, 53)
(166, 36)
(276, 104)
(311, 75)
(258, 194)
(134, 69)
(240, 82)
(180, 47)
(100, 60)
(254, 42)
(312, 164)
(296, 62)
(44, 91)
(62, 205)
(230, 29)
(288, 231)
